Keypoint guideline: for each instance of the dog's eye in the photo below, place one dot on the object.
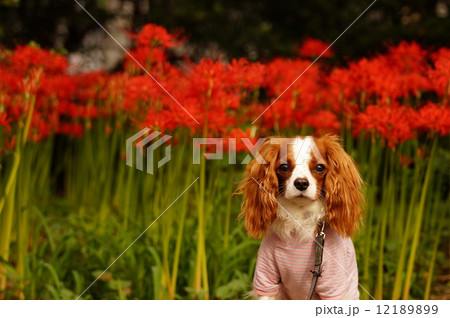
(319, 168)
(283, 168)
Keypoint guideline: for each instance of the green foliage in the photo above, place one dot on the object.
(87, 207)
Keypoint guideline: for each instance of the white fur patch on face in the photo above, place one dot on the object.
(301, 150)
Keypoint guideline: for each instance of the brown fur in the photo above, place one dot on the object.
(259, 206)
(343, 187)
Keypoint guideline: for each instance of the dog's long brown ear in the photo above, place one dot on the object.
(260, 189)
(343, 188)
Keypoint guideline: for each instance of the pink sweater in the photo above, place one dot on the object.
(284, 267)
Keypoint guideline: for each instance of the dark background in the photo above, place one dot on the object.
(254, 29)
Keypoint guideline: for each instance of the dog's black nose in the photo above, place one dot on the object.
(301, 184)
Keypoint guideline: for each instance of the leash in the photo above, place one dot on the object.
(317, 272)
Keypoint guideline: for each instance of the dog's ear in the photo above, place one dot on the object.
(343, 188)
(260, 189)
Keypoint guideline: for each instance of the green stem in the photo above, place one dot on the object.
(226, 236)
(405, 235)
(385, 209)
(7, 203)
(200, 263)
(433, 257)
(420, 210)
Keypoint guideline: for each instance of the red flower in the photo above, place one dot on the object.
(235, 140)
(324, 122)
(40, 129)
(155, 35)
(401, 72)
(313, 48)
(440, 75)
(395, 124)
(223, 96)
(25, 57)
(409, 60)
(59, 86)
(210, 94)
(432, 117)
(150, 52)
(4, 120)
(90, 85)
(147, 57)
(74, 130)
(248, 75)
(297, 98)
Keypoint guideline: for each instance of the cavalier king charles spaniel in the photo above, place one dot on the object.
(292, 188)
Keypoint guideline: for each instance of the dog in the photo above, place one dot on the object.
(292, 188)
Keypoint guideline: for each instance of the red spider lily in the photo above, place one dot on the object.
(147, 57)
(234, 141)
(282, 73)
(141, 89)
(399, 73)
(4, 120)
(71, 129)
(90, 85)
(302, 96)
(9, 144)
(395, 124)
(248, 75)
(40, 129)
(407, 57)
(162, 120)
(143, 97)
(14, 107)
(211, 95)
(410, 62)
(26, 57)
(432, 117)
(59, 86)
(225, 96)
(150, 52)
(440, 75)
(154, 35)
(77, 111)
(279, 115)
(313, 48)
(372, 77)
(341, 88)
(10, 82)
(323, 121)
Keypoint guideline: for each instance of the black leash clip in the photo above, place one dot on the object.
(317, 272)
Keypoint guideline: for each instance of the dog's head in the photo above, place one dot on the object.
(302, 170)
